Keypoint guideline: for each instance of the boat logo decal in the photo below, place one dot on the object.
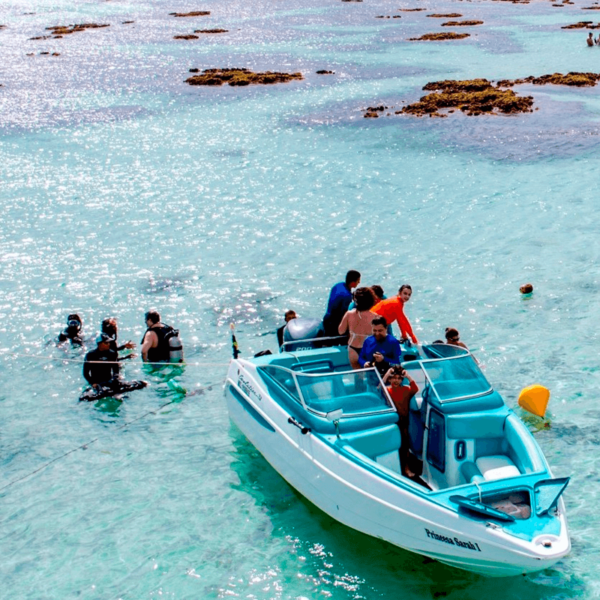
(246, 386)
(453, 541)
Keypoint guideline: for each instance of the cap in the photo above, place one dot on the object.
(104, 337)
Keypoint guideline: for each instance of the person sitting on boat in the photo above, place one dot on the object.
(289, 315)
(393, 310)
(380, 350)
(453, 338)
(73, 331)
(357, 323)
(401, 395)
(340, 298)
(109, 326)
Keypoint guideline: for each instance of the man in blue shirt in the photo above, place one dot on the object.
(380, 350)
(340, 298)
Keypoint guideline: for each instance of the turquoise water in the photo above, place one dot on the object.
(124, 189)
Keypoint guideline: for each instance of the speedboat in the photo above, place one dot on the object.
(485, 499)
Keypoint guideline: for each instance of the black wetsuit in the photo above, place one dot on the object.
(101, 367)
(73, 334)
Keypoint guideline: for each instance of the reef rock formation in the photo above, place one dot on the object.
(445, 16)
(62, 30)
(411, 9)
(588, 7)
(582, 25)
(388, 17)
(372, 112)
(461, 23)
(240, 77)
(211, 30)
(438, 37)
(472, 97)
(572, 79)
(194, 13)
(325, 72)
(188, 36)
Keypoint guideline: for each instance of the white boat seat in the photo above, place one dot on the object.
(496, 467)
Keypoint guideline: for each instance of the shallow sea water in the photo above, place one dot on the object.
(122, 189)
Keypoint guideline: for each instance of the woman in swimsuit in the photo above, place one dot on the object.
(357, 322)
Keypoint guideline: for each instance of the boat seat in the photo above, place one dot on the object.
(381, 445)
(470, 471)
(496, 467)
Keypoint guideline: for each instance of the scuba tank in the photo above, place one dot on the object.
(175, 346)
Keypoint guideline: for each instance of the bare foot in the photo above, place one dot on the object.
(408, 473)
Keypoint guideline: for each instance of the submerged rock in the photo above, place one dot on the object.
(211, 30)
(445, 16)
(194, 13)
(411, 9)
(324, 72)
(461, 23)
(438, 37)
(127, 22)
(582, 25)
(188, 36)
(240, 77)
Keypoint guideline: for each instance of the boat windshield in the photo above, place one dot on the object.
(456, 378)
(356, 392)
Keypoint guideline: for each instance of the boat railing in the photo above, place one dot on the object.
(357, 392)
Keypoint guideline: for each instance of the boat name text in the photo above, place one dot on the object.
(246, 386)
(453, 541)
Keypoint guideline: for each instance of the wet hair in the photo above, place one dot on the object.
(379, 321)
(451, 332)
(364, 299)
(352, 276)
(378, 291)
(153, 316)
(74, 317)
(404, 287)
(109, 326)
(437, 342)
(290, 313)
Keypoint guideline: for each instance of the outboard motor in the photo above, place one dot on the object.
(302, 334)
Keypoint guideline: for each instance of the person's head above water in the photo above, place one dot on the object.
(152, 316)
(379, 328)
(364, 299)
(405, 292)
(103, 340)
(74, 321)
(452, 336)
(352, 279)
(109, 326)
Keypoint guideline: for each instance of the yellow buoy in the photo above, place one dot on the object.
(535, 399)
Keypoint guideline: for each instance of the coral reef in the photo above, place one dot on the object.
(372, 112)
(411, 9)
(240, 77)
(211, 30)
(127, 22)
(438, 37)
(582, 25)
(188, 36)
(571, 79)
(325, 72)
(461, 23)
(194, 13)
(473, 97)
(588, 7)
(445, 16)
(59, 31)
(388, 17)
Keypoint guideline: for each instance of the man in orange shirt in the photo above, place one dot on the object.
(393, 310)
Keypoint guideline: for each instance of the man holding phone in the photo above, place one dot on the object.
(380, 350)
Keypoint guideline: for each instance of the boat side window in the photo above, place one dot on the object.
(436, 441)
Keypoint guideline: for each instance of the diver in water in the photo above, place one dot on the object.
(73, 331)
(101, 370)
(110, 328)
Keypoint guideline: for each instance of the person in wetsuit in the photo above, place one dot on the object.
(101, 371)
(73, 331)
(109, 326)
(155, 344)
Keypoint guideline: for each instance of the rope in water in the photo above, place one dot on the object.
(81, 360)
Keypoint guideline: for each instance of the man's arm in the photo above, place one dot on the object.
(87, 371)
(147, 344)
(396, 352)
(363, 357)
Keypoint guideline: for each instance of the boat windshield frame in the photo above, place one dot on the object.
(431, 384)
(303, 402)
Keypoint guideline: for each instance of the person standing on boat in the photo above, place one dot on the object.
(357, 323)
(401, 395)
(393, 310)
(340, 298)
(380, 350)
